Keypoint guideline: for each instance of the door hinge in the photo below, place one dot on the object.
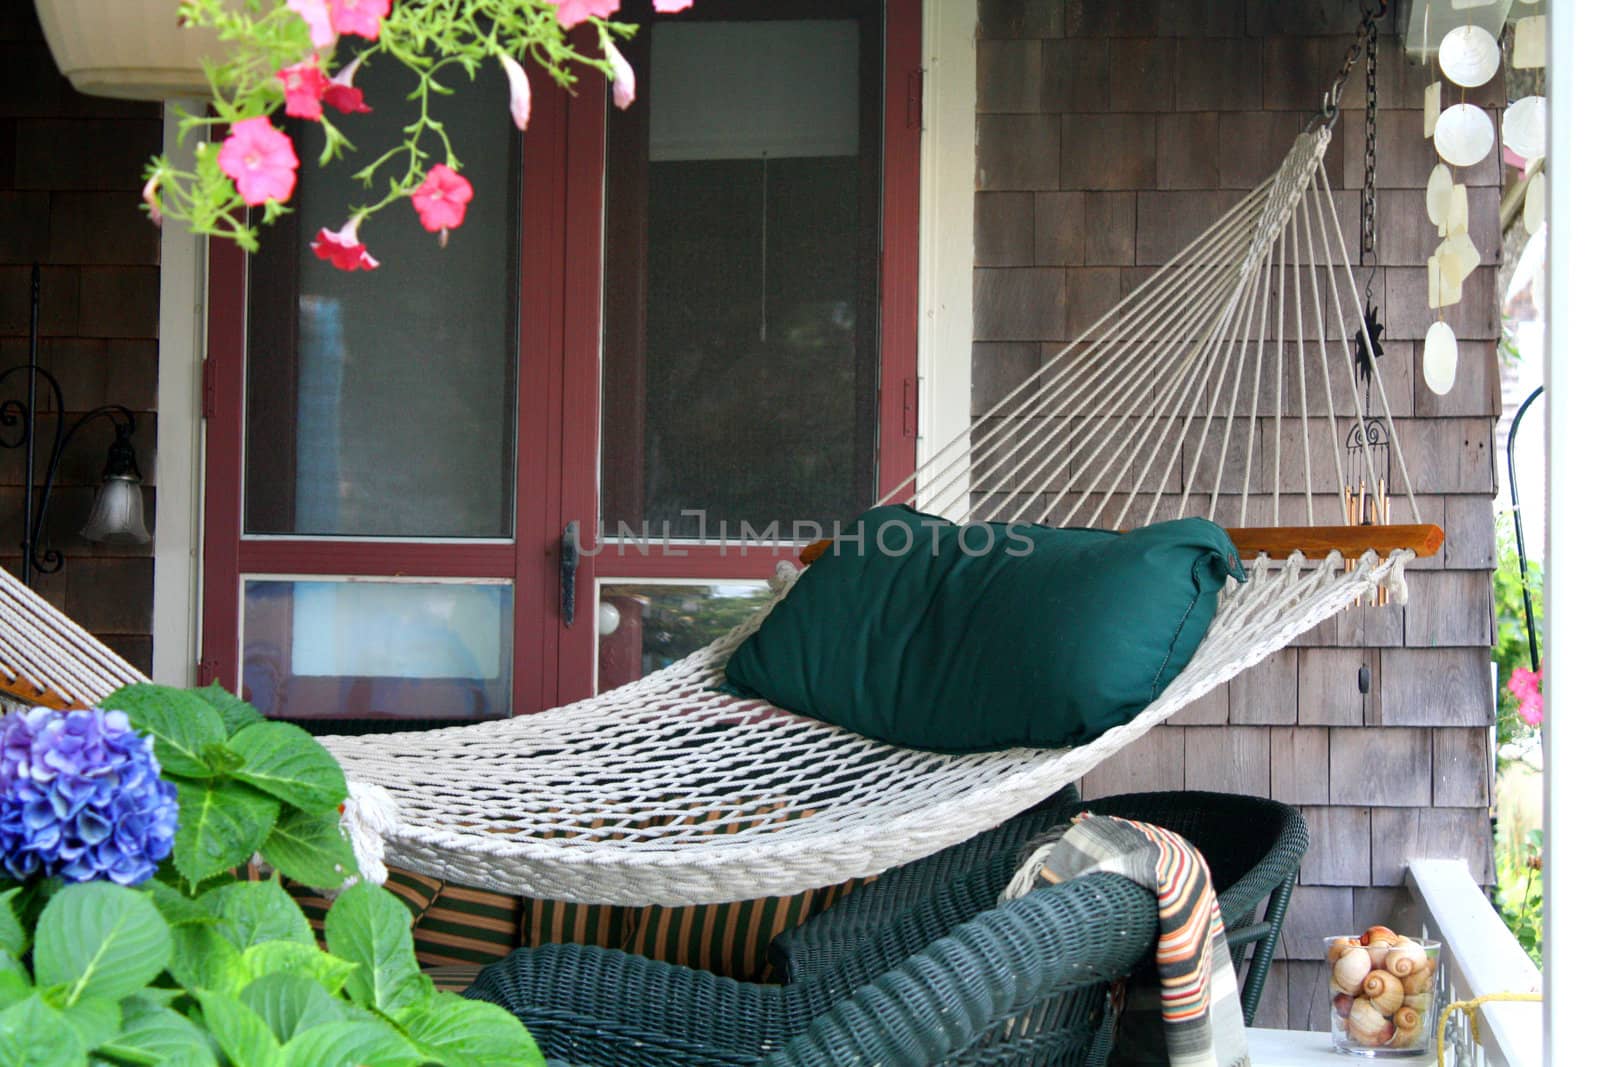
(914, 99)
(908, 407)
(208, 389)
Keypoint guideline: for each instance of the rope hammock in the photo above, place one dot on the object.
(1194, 395)
(48, 660)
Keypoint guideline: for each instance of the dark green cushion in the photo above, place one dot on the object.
(969, 639)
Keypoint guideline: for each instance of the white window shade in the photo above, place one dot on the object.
(744, 90)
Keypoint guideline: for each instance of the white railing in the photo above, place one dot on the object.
(1481, 957)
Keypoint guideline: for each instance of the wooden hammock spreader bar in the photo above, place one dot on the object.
(1279, 542)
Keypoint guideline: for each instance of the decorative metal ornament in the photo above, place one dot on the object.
(1469, 56)
(1522, 128)
(1464, 135)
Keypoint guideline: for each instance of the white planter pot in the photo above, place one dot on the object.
(131, 49)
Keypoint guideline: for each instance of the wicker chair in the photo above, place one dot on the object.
(1252, 845)
(1026, 982)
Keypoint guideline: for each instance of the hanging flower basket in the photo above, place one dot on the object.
(130, 49)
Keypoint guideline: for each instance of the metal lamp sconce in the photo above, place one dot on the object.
(118, 512)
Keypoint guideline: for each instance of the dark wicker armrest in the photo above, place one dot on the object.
(1081, 933)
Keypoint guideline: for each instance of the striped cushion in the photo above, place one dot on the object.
(467, 927)
(556, 922)
(452, 979)
(416, 892)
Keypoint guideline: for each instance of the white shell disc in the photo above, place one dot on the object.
(1464, 136)
(1430, 108)
(1456, 220)
(1439, 358)
(1522, 127)
(1469, 56)
(1533, 204)
(1458, 257)
(1530, 48)
(1439, 183)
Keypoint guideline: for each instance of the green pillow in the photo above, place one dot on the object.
(973, 638)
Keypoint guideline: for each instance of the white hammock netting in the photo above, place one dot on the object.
(1194, 395)
(667, 792)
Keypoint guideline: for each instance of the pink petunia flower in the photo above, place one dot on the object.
(441, 200)
(521, 91)
(571, 12)
(303, 86)
(152, 201)
(317, 19)
(622, 81)
(359, 17)
(260, 159)
(672, 7)
(1532, 709)
(1527, 687)
(343, 249)
(342, 94)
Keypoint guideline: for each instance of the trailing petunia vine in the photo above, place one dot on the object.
(279, 70)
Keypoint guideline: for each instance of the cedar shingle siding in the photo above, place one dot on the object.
(1109, 133)
(70, 169)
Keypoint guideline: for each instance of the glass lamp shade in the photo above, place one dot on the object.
(118, 514)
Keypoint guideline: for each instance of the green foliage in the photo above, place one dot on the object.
(193, 970)
(1511, 650)
(1520, 890)
(427, 37)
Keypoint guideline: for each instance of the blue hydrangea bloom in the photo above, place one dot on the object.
(81, 797)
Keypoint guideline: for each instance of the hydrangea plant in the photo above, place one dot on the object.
(280, 69)
(128, 934)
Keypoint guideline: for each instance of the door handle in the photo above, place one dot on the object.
(569, 573)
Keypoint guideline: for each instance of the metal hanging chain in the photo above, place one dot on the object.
(1369, 190)
(1368, 31)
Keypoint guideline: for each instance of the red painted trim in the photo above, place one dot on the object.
(902, 162)
(653, 561)
(580, 391)
(224, 455)
(379, 558)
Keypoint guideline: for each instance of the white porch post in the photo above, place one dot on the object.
(949, 163)
(1572, 599)
(177, 474)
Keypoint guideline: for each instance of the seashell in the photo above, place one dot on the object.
(1422, 1002)
(1351, 969)
(1383, 990)
(1533, 205)
(1464, 135)
(1469, 55)
(1419, 981)
(1405, 958)
(1522, 128)
(1340, 946)
(1378, 939)
(1367, 1025)
(1341, 1005)
(1407, 1028)
(1439, 358)
(1438, 196)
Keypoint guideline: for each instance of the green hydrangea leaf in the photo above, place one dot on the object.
(33, 1034)
(203, 959)
(236, 714)
(311, 849)
(243, 1035)
(273, 957)
(99, 940)
(221, 824)
(13, 937)
(97, 1020)
(372, 929)
(249, 913)
(357, 1043)
(156, 1035)
(181, 723)
(15, 983)
(473, 1033)
(176, 908)
(282, 759)
(290, 1003)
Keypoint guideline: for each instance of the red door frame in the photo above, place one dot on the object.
(558, 398)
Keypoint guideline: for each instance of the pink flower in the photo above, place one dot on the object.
(1526, 686)
(441, 200)
(672, 7)
(342, 94)
(315, 13)
(303, 86)
(260, 159)
(622, 83)
(521, 92)
(1532, 710)
(360, 17)
(571, 12)
(151, 200)
(343, 249)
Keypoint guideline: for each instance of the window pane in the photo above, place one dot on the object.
(654, 625)
(388, 650)
(382, 403)
(740, 359)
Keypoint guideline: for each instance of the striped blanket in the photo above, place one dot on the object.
(1192, 1017)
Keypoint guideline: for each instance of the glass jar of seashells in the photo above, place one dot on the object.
(1384, 988)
